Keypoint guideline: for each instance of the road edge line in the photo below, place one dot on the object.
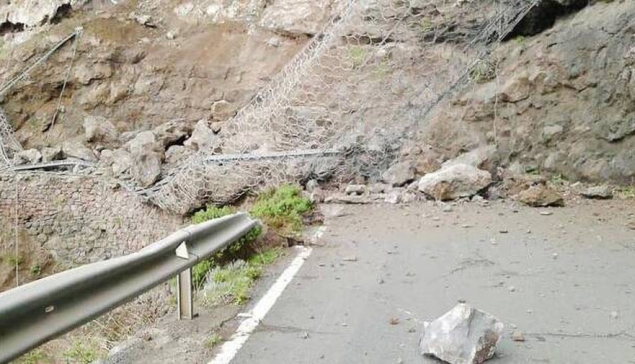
(230, 348)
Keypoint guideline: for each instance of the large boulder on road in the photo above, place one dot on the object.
(455, 181)
(464, 335)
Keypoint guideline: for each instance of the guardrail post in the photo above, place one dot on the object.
(184, 297)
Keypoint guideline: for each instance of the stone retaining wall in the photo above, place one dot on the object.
(78, 219)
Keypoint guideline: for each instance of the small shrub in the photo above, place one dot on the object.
(357, 56)
(82, 352)
(12, 260)
(483, 71)
(265, 258)
(212, 212)
(282, 209)
(234, 251)
(625, 193)
(35, 269)
(231, 283)
(34, 357)
(213, 341)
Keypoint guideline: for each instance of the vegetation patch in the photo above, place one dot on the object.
(282, 209)
(231, 283)
(82, 352)
(34, 357)
(213, 341)
(228, 276)
(625, 192)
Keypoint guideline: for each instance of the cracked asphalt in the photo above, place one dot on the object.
(565, 279)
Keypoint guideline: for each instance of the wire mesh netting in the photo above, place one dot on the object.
(352, 97)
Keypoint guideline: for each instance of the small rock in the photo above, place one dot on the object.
(631, 225)
(145, 20)
(216, 127)
(99, 129)
(350, 259)
(28, 156)
(518, 335)
(394, 321)
(598, 192)
(312, 185)
(203, 137)
(347, 199)
(170, 35)
(399, 174)
(511, 289)
(540, 196)
(355, 189)
(304, 335)
(554, 255)
(464, 335)
(378, 188)
(223, 110)
(503, 231)
(546, 213)
(274, 42)
(447, 208)
(79, 151)
(614, 315)
(51, 154)
(393, 197)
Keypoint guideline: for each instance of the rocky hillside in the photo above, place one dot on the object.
(560, 102)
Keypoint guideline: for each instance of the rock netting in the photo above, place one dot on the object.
(80, 219)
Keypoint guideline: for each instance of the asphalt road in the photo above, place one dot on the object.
(566, 280)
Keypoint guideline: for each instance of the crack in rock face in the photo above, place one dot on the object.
(464, 335)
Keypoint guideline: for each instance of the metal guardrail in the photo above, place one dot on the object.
(39, 311)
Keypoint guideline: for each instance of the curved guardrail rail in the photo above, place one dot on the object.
(39, 311)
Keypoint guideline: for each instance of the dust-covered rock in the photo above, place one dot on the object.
(173, 132)
(50, 154)
(144, 142)
(99, 129)
(464, 335)
(223, 110)
(294, 16)
(598, 192)
(454, 182)
(203, 137)
(540, 195)
(28, 156)
(146, 168)
(78, 150)
(121, 162)
(355, 189)
(399, 174)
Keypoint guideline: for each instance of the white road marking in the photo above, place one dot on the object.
(230, 348)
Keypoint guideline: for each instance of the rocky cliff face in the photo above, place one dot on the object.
(560, 102)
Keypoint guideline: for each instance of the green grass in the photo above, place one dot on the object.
(213, 341)
(35, 269)
(228, 276)
(558, 180)
(231, 283)
(520, 40)
(625, 192)
(34, 357)
(11, 259)
(267, 257)
(82, 352)
(483, 71)
(282, 209)
(357, 55)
